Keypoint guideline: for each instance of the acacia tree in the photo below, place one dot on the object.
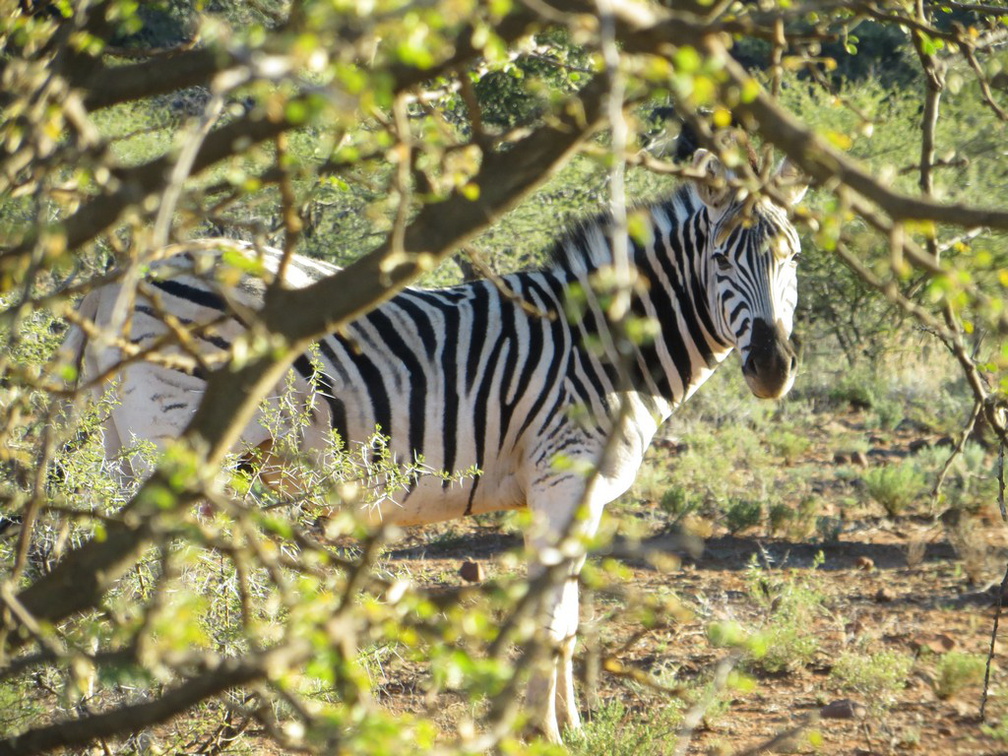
(294, 100)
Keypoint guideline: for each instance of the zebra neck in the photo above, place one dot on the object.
(687, 348)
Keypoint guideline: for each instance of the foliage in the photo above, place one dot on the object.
(788, 445)
(790, 602)
(895, 487)
(957, 670)
(741, 514)
(873, 676)
(970, 481)
(614, 729)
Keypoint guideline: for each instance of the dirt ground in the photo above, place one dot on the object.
(873, 598)
(888, 585)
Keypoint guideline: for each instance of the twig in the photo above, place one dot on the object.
(476, 258)
(183, 167)
(694, 716)
(292, 223)
(993, 640)
(24, 618)
(957, 450)
(1001, 480)
(985, 89)
(1003, 587)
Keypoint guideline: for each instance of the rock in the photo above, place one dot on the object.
(843, 708)
(860, 459)
(938, 644)
(854, 629)
(472, 572)
(841, 459)
(884, 596)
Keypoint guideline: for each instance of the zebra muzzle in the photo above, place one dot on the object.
(770, 364)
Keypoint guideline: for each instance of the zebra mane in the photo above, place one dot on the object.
(586, 245)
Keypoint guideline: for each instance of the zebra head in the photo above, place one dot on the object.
(750, 262)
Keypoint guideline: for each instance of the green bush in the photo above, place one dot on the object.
(895, 487)
(616, 729)
(678, 502)
(957, 670)
(874, 677)
(779, 518)
(742, 514)
(789, 445)
(791, 602)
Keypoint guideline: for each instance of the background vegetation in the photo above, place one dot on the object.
(423, 142)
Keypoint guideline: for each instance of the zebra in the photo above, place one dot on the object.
(492, 375)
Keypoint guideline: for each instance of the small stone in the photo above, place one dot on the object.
(472, 572)
(865, 563)
(841, 459)
(853, 630)
(884, 596)
(937, 644)
(843, 708)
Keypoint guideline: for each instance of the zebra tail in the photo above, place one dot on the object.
(72, 350)
(72, 353)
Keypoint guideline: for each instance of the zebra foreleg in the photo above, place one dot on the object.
(551, 698)
(567, 714)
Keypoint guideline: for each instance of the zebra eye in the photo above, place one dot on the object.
(723, 263)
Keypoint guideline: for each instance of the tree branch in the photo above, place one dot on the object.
(825, 164)
(231, 397)
(228, 673)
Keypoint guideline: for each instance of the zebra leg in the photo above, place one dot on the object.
(551, 698)
(568, 716)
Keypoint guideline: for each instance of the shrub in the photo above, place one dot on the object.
(742, 514)
(779, 518)
(789, 445)
(615, 729)
(678, 502)
(875, 677)
(894, 487)
(957, 670)
(791, 602)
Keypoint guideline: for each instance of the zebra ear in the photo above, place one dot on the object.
(792, 183)
(712, 183)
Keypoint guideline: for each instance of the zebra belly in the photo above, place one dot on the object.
(429, 501)
(444, 486)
